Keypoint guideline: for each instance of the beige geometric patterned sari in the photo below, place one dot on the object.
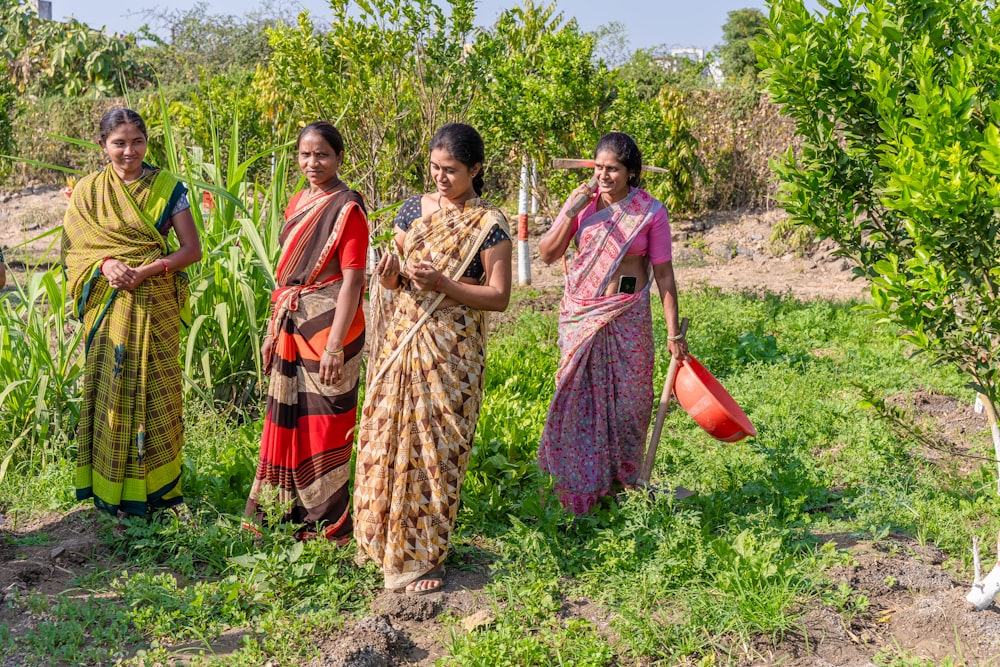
(424, 390)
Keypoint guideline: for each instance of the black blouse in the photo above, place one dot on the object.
(410, 211)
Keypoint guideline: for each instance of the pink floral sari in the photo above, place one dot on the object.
(596, 427)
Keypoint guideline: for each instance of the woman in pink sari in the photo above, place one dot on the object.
(595, 432)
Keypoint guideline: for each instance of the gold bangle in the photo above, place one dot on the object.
(677, 337)
(334, 353)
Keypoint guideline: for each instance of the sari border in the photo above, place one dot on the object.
(299, 228)
(614, 219)
(333, 241)
(160, 180)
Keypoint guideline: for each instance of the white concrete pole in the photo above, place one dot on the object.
(523, 252)
(534, 187)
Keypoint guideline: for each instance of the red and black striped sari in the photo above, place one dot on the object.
(308, 433)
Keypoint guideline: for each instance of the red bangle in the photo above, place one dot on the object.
(103, 261)
(438, 281)
(166, 268)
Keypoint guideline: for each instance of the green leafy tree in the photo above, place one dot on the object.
(190, 44)
(544, 94)
(612, 44)
(663, 128)
(898, 105)
(649, 70)
(71, 59)
(388, 73)
(8, 107)
(742, 27)
(647, 74)
(219, 105)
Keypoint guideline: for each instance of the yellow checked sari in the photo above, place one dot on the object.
(422, 398)
(130, 432)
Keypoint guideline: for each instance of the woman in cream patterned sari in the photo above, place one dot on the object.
(427, 363)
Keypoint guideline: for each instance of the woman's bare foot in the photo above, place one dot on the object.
(428, 583)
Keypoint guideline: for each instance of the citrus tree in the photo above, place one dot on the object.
(543, 91)
(898, 105)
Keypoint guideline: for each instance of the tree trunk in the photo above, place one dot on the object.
(991, 412)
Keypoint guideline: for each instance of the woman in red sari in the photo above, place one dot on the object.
(313, 345)
(595, 432)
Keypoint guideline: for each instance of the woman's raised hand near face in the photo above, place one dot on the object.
(585, 190)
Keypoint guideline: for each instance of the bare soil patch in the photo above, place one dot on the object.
(735, 251)
(954, 434)
(25, 216)
(915, 606)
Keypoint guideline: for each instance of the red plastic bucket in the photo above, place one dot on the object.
(709, 404)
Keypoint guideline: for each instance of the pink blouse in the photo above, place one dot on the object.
(652, 242)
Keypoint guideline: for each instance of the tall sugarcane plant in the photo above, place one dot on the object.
(40, 370)
(238, 223)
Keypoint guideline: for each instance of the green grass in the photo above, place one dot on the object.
(677, 581)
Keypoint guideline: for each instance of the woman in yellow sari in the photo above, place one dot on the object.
(426, 366)
(127, 283)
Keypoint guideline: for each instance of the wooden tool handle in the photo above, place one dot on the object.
(661, 415)
(578, 202)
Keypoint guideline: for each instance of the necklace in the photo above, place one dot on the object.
(142, 173)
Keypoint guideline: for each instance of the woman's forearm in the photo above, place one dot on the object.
(480, 297)
(554, 242)
(495, 294)
(347, 306)
(182, 258)
(666, 284)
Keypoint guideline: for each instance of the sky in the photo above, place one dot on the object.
(650, 23)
